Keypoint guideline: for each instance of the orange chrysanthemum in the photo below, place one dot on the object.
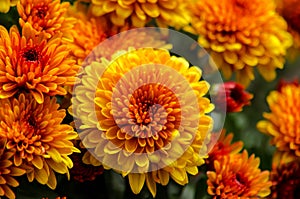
(36, 137)
(223, 147)
(32, 63)
(283, 122)
(46, 16)
(241, 35)
(153, 135)
(8, 171)
(237, 176)
(6, 4)
(137, 13)
(88, 33)
(285, 176)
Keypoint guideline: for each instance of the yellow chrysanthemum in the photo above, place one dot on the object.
(46, 16)
(238, 176)
(30, 62)
(137, 13)
(6, 4)
(8, 171)
(36, 138)
(241, 35)
(142, 120)
(283, 122)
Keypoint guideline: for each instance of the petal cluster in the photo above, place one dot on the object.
(29, 61)
(282, 123)
(285, 176)
(137, 13)
(8, 171)
(242, 35)
(238, 176)
(46, 16)
(236, 97)
(135, 122)
(36, 138)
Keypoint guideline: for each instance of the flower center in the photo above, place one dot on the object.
(238, 183)
(31, 54)
(148, 110)
(41, 11)
(236, 95)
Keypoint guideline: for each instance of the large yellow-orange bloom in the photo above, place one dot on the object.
(36, 138)
(242, 35)
(137, 13)
(283, 122)
(238, 176)
(46, 16)
(30, 62)
(8, 171)
(158, 132)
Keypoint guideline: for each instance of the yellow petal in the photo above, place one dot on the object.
(151, 9)
(5, 6)
(230, 57)
(151, 184)
(41, 175)
(37, 162)
(136, 181)
(52, 180)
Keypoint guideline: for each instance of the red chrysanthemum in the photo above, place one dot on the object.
(238, 176)
(236, 96)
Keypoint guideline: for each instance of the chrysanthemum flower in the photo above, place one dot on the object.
(36, 138)
(285, 176)
(236, 96)
(241, 35)
(142, 120)
(46, 16)
(32, 63)
(87, 34)
(8, 171)
(282, 123)
(90, 32)
(166, 12)
(6, 4)
(238, 176)
(223, 147)
(290, 11)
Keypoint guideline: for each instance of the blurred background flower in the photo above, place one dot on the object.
(241, 35)
(282, 123)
